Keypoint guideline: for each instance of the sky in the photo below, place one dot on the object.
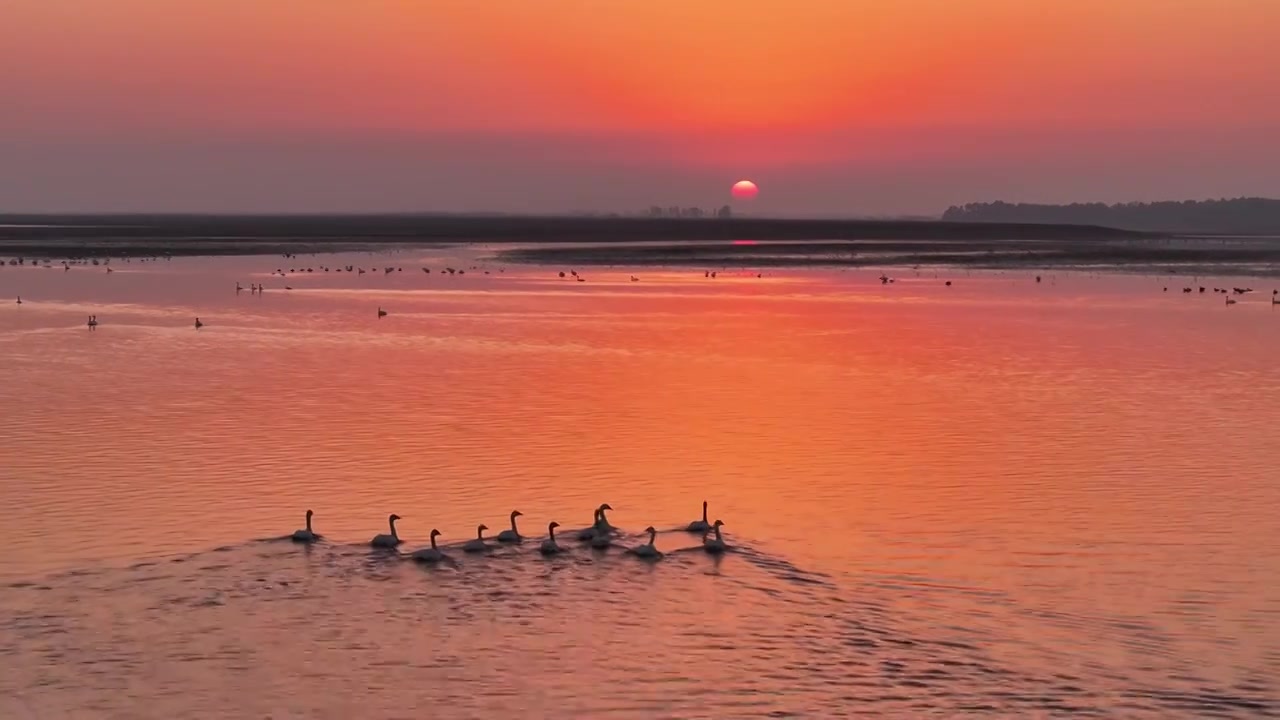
(834, 107)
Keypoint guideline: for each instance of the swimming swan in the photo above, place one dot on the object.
(549, 546)
(599, 525)
(603, 524)
(715, 545)
(387, 541)
(700, 526)
(647, 550)
(431, 554)
(511, 535)
(477, 545)
(306, 535)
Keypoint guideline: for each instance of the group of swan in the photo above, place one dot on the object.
(599, 535)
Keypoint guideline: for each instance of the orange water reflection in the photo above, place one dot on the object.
(1090, 443)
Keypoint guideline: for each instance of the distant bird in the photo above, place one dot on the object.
(199, 324)
(512, 535)
(478, 544)
(431, 554)
(1201, 288)
(715, 545)
(634, 278)
(1037, 278)
(948, 283)
(305, 535)
(382, 313)
(561, 273)
(238, 288)
(93, 321)
(1231, 301)
(549, 546)
(599, 524)
(19, 299)
(387, 540)
(700, 526)
(1186, 290)
(288, 287)
(648, 551)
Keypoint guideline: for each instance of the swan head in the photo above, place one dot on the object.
(650, 530)
(604, 507)
(515, 514)
(553, 525)
(393, 518)
(435, 533)
(717, 523)
(481, 528)
(309, 514)
(704, 506)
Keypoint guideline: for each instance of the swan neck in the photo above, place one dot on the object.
(652, 535)
(392, 523)
(513, 523)
(704, 512)
(308, 523)
(552, 533)
(433, 542)
(717, 533)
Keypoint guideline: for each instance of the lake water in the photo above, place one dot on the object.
(1000, 498)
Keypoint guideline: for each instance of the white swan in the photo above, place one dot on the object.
(511, 535)
(700, 526)
(549, 546)
(431, 554)
(598, 525)
(477, 545)
(647, 550)
(715, 545)
(387, 541)
(306, 535)
(603, 524)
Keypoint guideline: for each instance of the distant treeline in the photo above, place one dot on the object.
(1240, 215)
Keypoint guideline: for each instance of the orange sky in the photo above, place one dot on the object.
(747, 85)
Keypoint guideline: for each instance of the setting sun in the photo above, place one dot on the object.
(745, 190)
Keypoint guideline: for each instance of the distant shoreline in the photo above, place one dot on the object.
(262, 234)
(647, 241)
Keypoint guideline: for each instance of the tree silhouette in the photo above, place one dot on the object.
(1239, 215)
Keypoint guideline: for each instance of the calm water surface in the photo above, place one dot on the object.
(999, 498)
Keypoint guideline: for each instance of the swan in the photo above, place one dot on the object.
(700, 526)
(511, 535)
(387, 541)
(549, 546)
(382, 313)
(431, 554)
(598, 524)
(477, 545)
(715, 545)
(305, 535)
(601, 541)
(647, 550)
(603, 523)
(199, 324)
